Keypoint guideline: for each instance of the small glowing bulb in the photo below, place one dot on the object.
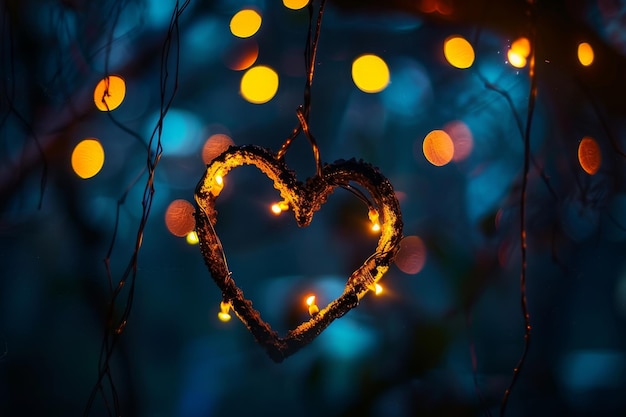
(373, 216)
(219, 180)
(192, 238)
(378, 289)
(310, 302)
(278, 208)
(223, 316)
(224, 309)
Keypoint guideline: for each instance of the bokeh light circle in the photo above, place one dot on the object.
(245, 23)
(179, 218)
(462, 139)
(295, 4)
(109, 93)
(214, 146)
(589, 155)
(585, 54)
(259, 84)
(458, 52)
(411, 256)
(438, 147)
(87, 158)
(370, 73)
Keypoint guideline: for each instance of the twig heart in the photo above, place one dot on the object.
(304, 199)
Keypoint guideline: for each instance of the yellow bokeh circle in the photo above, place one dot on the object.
(259, 84)
(245, 23)
(370, 73)
(87, 158)
(585, 54)
(109, 93)
(438, 147)
(295, 4)
(458, 52)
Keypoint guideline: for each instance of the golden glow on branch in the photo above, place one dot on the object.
(370, 73)
(585, 54)
(87, 158)
(245, 23)
(438, 148)
(295, 4)
(192, 238)
(109, 93)
(259, 84)
(179, 217)
(223, 315)
(589, 155)
(215, 145)
(458, 52)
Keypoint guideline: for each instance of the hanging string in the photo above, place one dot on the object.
(303, 111)
(115, 327)
(532, 99)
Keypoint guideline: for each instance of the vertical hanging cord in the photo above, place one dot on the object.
(303, 111)
(523, 235)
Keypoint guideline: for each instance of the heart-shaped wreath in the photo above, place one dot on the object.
(304, 199)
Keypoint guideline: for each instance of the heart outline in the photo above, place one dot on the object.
(304, 199)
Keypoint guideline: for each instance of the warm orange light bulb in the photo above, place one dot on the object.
(378, 289)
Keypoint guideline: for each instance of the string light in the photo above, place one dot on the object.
(373, 216)
(278, 208)
(192, 238)
(313, 308)
(303, 199)
(224, 315)
(378, 289)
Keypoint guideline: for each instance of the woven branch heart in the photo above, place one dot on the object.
(304, 199)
